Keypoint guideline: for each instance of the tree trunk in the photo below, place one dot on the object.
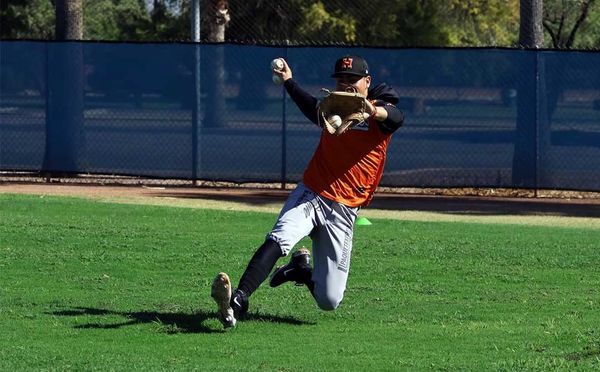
(524, 171)
(531, 29)
(216, 17)
(64, 99)
(69, 20)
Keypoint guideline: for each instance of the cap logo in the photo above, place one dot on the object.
(347, 63)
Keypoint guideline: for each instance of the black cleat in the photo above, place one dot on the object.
(239, 303)
(297, 270)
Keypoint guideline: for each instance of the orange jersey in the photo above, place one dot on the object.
(347, 168)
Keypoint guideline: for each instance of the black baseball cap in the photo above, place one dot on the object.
(351, 65)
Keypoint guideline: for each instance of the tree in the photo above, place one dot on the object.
(170, 20)
(564, 19)
(438, 23)
(385, 23)
(530, 27)
(259, 21)
(27, 19)
(317, 21)
(588, 34)
(375, 23)
(378, 22)
(480, 22)
(69, 19)
(117, 20)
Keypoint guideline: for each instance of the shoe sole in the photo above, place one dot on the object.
(221, 293)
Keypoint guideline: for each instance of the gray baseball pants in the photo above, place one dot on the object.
(330, 227)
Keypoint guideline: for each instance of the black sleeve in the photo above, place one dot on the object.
(394, 120)
(305, 102)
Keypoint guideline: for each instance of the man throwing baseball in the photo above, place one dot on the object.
(340, 178)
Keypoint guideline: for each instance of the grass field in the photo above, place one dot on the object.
(89, 285)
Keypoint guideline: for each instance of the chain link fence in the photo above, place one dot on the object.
(180, 111)
(465, 110)
(377, 23)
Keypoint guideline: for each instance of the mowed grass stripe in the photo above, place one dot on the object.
(97, 286)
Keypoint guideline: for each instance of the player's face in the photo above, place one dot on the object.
(361, 84)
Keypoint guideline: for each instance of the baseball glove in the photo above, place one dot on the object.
(349, 106)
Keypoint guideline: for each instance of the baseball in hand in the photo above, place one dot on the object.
(277, 64)
(335, 121)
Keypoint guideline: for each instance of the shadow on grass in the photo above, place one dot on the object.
(589, 352)
(170, 322)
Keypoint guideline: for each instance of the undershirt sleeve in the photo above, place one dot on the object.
(394, 120)
(304, 100)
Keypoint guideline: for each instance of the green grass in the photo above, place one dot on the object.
(88, 285)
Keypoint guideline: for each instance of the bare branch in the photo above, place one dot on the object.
(585, 8)
(548, 27)
(561, 24)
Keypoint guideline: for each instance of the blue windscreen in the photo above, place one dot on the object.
(474, 117)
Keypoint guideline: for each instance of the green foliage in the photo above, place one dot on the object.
(481, 22)
(103, 20)
(255, 21)
(27, 19)
(317, 21)
(95, 286)
(376, 23)
(414, 22)
(572, 24)
(589, 37)
(116, 20)
(407, 23)
(170, 20)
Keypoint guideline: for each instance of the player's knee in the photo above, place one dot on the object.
(284, 247)
(328, 301)
(274, 246)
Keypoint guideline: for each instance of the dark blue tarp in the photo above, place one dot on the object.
(474, 117)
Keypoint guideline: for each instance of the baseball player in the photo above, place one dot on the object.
(340, 178)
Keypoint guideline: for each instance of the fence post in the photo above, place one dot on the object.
(525, 154)
(284, 128)
(47, 97)
(196, 106)
(537, 124)
(543, 123)
(525, 142)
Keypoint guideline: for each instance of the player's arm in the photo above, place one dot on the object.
(388, 116)
(306, 102)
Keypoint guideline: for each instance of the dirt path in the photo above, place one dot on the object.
(530, 211)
